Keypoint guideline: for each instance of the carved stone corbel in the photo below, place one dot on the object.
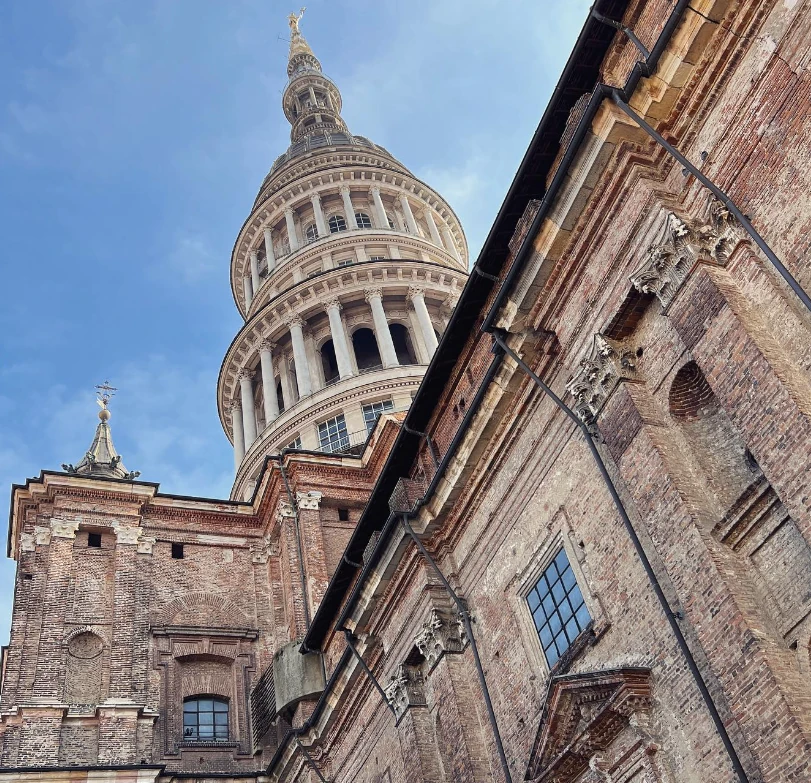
(405, 690)
(609, 363)
(64, 528)
(309, 500)
(440, 635)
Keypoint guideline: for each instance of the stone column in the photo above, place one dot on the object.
(380, 210)
(429, 219)
(268, 382)
(348, 208)
(287, 383)
(271, 259)
(319, 215)
(411, 223)
(248, 410)
(417, 298)
(305, 388)
(247, 287)
(239, 435)
(255, 281)
(336, 327)
(450, 243)
(374, 296)
(291, 229)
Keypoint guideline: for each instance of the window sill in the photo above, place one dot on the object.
(208, 743)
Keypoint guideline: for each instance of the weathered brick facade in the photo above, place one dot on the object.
(643, 304)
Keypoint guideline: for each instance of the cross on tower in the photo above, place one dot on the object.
(104, 393)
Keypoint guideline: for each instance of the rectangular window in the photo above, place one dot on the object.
(332, 434)
(343, 515)
(373, 411)
(94, 540)
(377, 258)
(177, 551)
(346, 262)
(295, 444)
(558, 609)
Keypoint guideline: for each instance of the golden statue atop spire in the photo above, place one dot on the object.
(293, 21)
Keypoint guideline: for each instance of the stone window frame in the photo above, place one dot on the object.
(561, 535)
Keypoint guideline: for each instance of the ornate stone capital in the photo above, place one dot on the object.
(27, 542)
(680, 245)
(289, 211)
(259, 554)
(236, 405)
(42, 535)
(373, 293)
(294, 320)
(415, 292)
(344, 189)
(266, 345)
(331, 303)
(254, 255)
(144, 545)
(598, 376)
(309, 500)
(405, 690)
(284, 510)
(64, 528)
(127, 534)
(440, 635)
(375, 189)
(245, 374)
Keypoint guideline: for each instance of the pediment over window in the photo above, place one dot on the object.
(583, 715)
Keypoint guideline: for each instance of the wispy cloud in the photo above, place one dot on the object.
(191, 258)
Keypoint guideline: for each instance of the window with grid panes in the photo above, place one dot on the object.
(363, 220)
(311, 232)
(205, 718)
(337, 223)
(373, 410)
(295, 444)
(558, 609)
(332, 434)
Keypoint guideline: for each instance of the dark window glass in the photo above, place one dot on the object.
(94, 540)
(177, 551)
(343, 514)
(558, 609)
(205, 719)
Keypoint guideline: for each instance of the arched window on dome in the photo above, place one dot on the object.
(403, 346)
(311, 232)
(205, 718)
(367, 354)
(329, 363)
(337, 223)
(391, 221)
(363, 220)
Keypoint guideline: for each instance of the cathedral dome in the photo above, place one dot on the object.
(346, 272)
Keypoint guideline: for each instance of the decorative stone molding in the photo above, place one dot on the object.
(309, 500)
(680, 246)
(333, 302)
(64, 528)
(405, 690)
(609, 363)
(440, 635)
(42, 535)
(260, 552)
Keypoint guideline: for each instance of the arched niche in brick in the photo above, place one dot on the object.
(84, 670)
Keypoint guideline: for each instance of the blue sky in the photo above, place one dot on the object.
(133, 139)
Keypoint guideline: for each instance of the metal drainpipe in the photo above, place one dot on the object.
(302, 569)
(465, 615)
(378, 687)
(652, 578)
(313, 765)
(716, 191)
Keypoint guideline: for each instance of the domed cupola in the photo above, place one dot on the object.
(346, 272)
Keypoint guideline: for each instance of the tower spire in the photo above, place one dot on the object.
(311, 101)
(101, 459)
